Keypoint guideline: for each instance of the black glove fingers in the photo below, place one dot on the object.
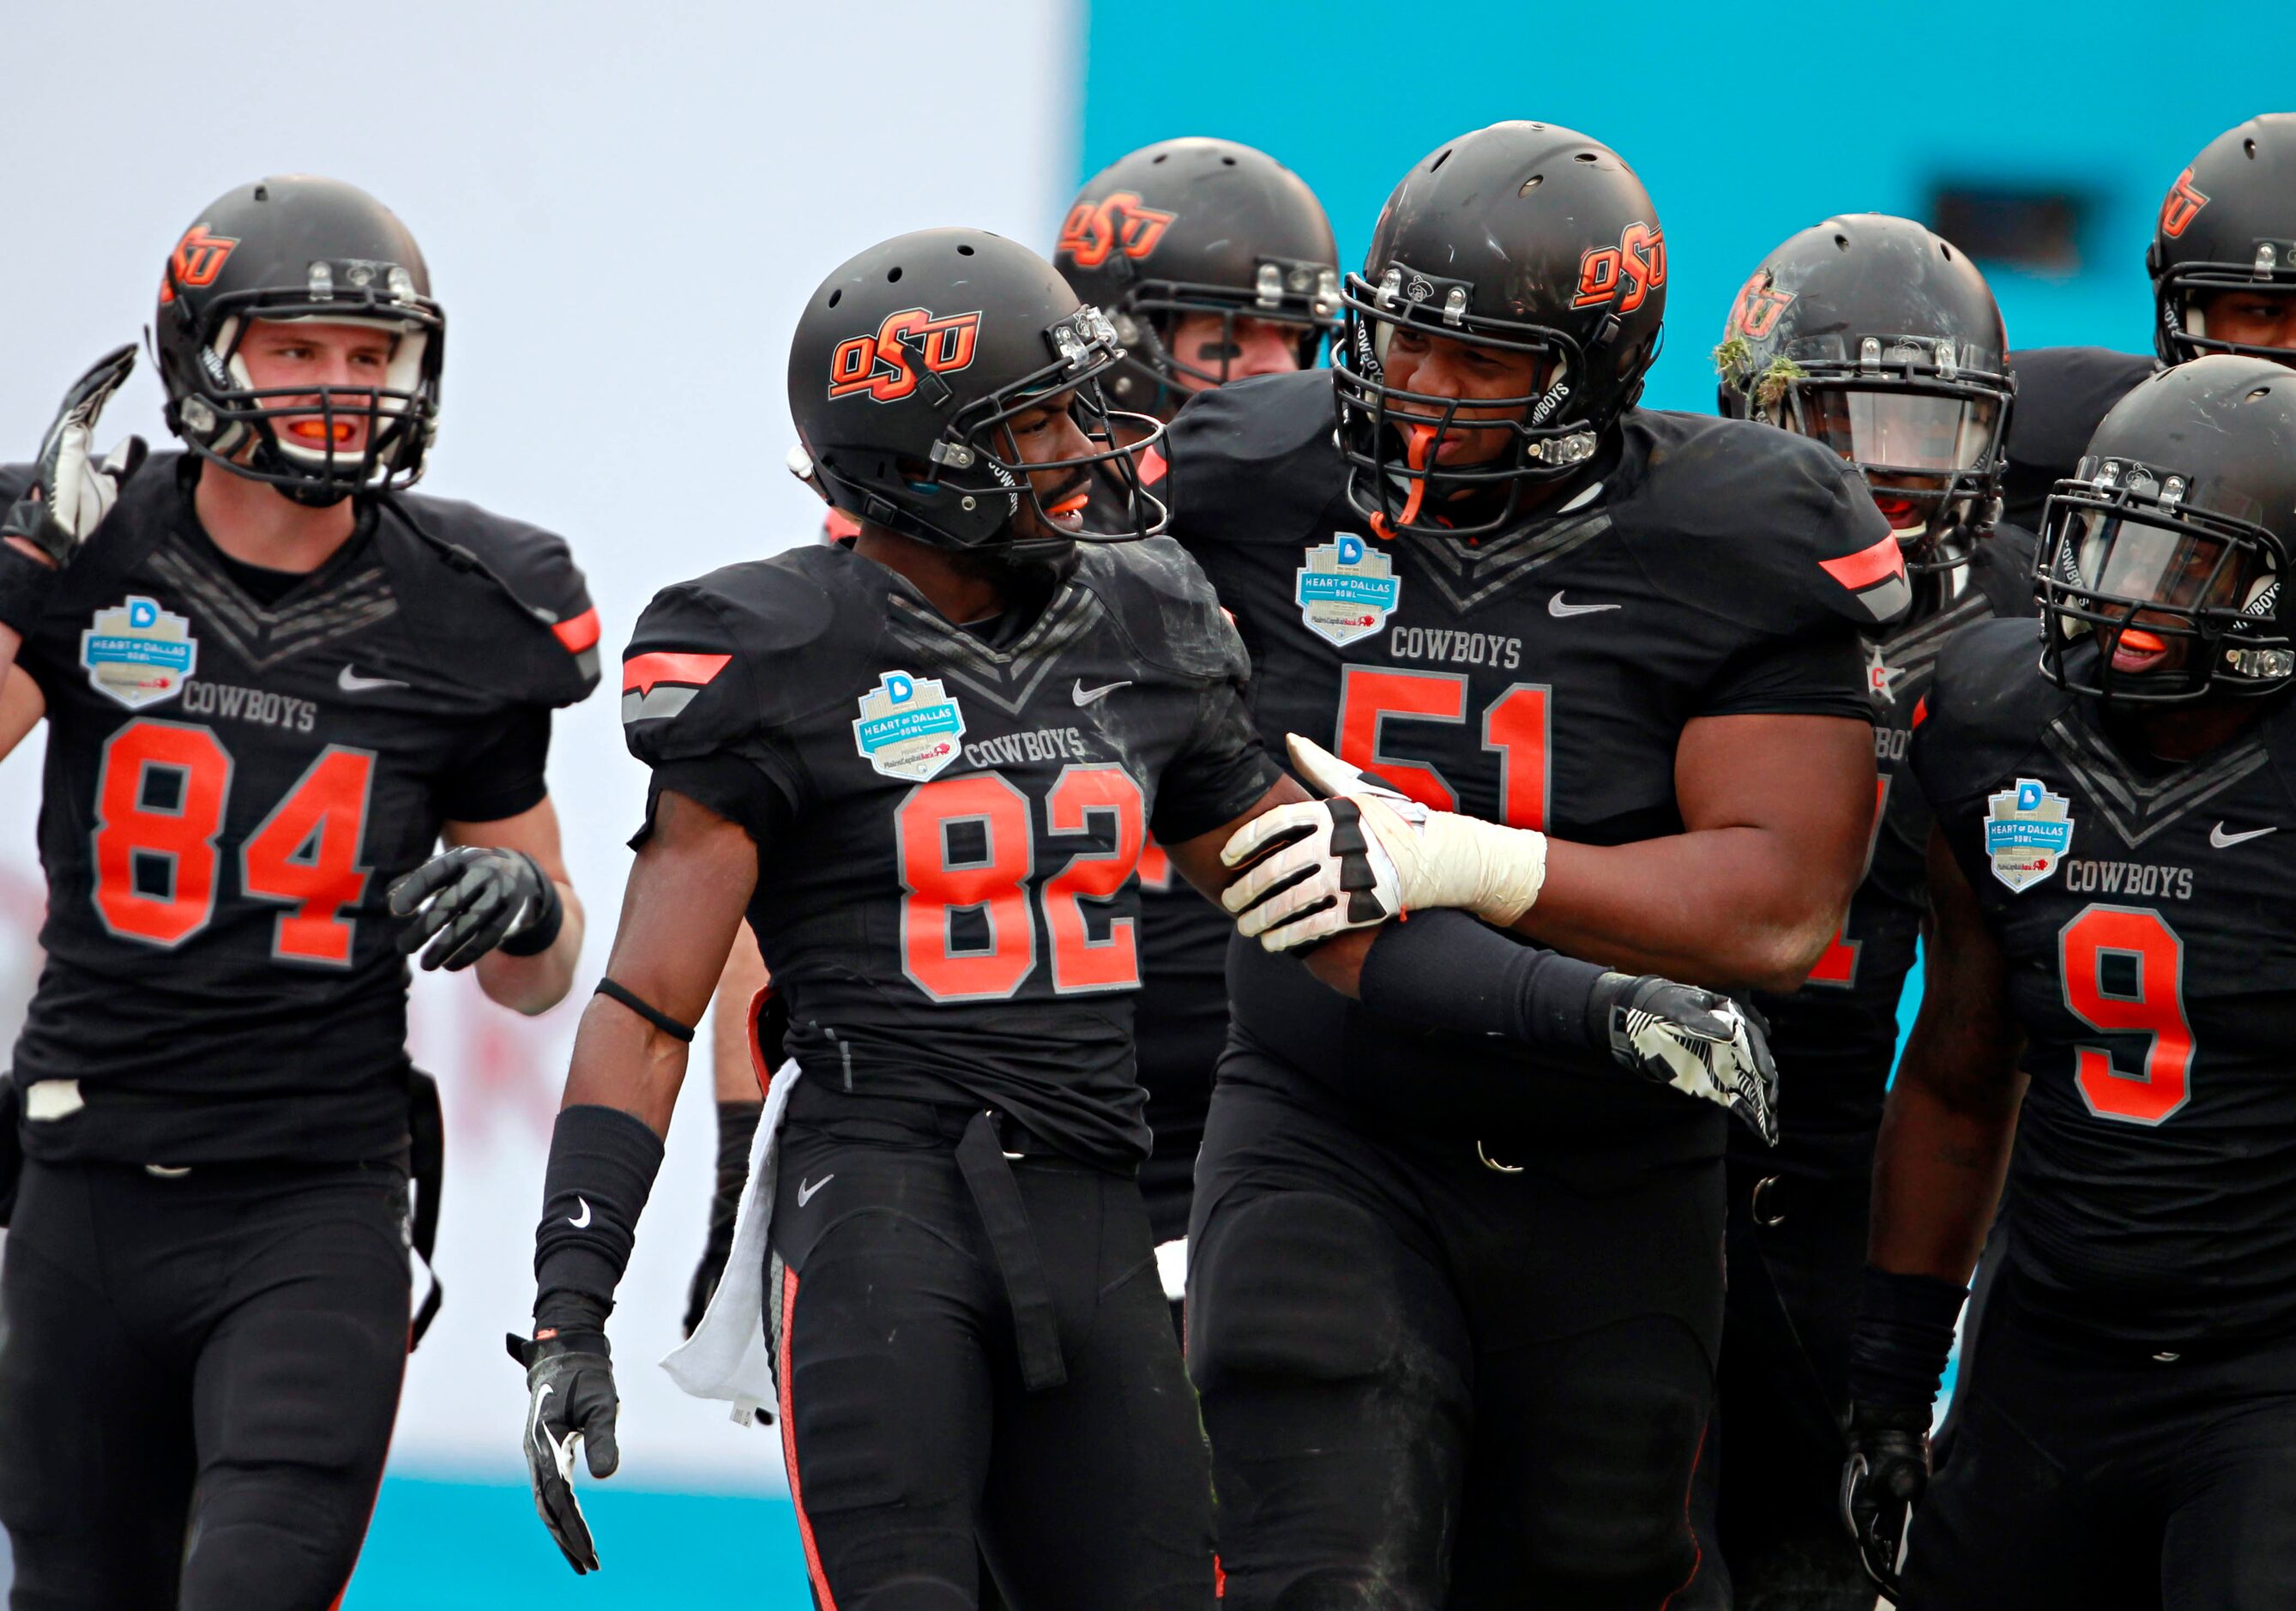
(410, 892)
(475, 931)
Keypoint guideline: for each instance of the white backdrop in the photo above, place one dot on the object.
(622, 206)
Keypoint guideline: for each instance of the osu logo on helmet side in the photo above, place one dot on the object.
(1755, 312)
(2183, 205)
(1638, 261)
(1116, 223)
(885, 365)
(198, 259)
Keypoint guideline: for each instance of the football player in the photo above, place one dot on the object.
(2222, 282)
(2111, 980)
(1882, 342)
(925, 765)
(274, 680)
(1453, 1308)
(1214, 262)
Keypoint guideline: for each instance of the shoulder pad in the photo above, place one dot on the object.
(1166, 606)
(1758, 525)
(2062, 392)
(1254, 461)
(719, 657)
(1987, 693)
(534, 572)
(15, 480)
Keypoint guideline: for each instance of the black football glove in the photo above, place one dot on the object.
(569, 1397)
(1699, 1041)
(1882, 1483)
(737, 1128)
(72, 492)
(477, 897)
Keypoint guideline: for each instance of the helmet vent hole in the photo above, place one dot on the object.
(892, 274)
(1945, 252)
(1442, 157)
(1161, 156)
(2259, 391)
(2249, 147)
(1842, 242)
(1586, 156)
(1228, 161)
(836, 296)
(1530, 184)
(963, 251)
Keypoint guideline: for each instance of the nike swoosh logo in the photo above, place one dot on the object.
(351, 682)
(582, 1220)
(1560, 611)
(805, 1192)
(2225, 841)
(1085, 696)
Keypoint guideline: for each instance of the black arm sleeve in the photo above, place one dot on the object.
(1445, 970)
(500, 771)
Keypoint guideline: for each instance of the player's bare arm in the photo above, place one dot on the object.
(733, 1076)
(1776, 813)
(1952, 1113)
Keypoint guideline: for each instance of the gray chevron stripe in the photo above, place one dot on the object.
(264, 637)
(1467, 576)
(1008, 679)
(2137, 809)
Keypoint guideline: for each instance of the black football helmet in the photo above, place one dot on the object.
(2228, 224)
(908, 362)
(1882, 342)
(298, 247)
(1525, 237)
(2177, 526)
(1198, 226)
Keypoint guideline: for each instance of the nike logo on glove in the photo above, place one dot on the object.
(1560, 611)
(351, 682)
(1085, 696)
(2225, 841)
(583, 1220)
(805, 1192)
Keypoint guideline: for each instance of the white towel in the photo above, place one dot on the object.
(726, 1357)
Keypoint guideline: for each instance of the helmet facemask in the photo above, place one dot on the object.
(291, 436)
(1284, 292)
(1922, 428)
(1392, 438)
(2120, 541)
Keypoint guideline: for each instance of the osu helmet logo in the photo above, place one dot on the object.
(2182, 206)
(198, 259)
(1630, 270)
(1755, 314)
(1116, 223)
(887, 365)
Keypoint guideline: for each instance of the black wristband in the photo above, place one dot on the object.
(603, 1162)
(1903, 1337)
(26, 587)
(541, 932)
(1445, 970)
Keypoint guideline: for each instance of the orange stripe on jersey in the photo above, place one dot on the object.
(1921, 711)
(1861, 570)
(643, 671)
(581, 633)
(1152, 467)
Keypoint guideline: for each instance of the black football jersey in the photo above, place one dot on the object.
(2062, 392)
(950, 821)
(2147, 915)
(232, 786)
(1836, 1037)
(1541, 678)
